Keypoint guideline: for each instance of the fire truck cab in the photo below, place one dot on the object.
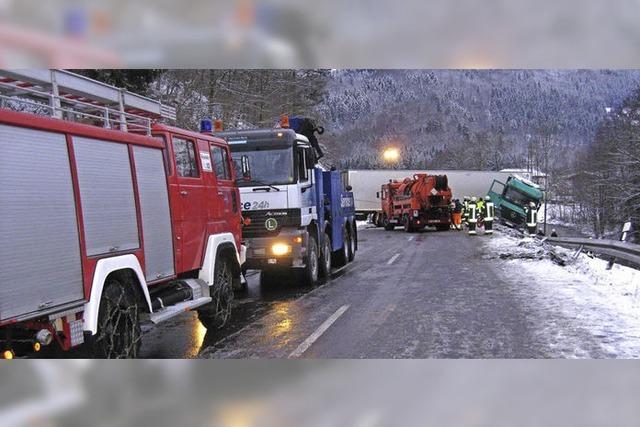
(106, 230)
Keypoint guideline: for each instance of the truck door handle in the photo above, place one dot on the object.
(184, 193)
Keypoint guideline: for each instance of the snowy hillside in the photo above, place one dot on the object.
(471, 119)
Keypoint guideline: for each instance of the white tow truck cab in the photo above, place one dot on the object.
(293, 219)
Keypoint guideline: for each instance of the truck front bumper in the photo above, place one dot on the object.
(267, 252)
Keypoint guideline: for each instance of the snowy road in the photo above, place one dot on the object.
(428, 295)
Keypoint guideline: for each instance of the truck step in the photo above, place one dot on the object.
(165, 305)
(174, 310)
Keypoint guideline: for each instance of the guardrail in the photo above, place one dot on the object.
(628, 252)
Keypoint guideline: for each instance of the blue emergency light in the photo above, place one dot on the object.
(206, 125)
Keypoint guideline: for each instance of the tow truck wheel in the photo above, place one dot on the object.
(341, 256)
(216, 313)
(407, 224)
(118, 335)
(325, 257)
(352, 245)
(310, 272)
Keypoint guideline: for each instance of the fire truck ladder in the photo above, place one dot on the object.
(65, 95)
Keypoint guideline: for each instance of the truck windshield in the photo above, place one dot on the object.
(269, 166)
(518, 197)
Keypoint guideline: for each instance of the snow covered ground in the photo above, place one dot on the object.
(580, 310)
(364, 224)
(566, 218)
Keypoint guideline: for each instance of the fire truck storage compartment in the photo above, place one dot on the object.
(40, 265)
(106, 194)
(154, 206)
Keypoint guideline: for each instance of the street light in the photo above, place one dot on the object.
(391, 154)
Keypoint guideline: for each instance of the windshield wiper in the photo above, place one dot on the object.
(267, 188)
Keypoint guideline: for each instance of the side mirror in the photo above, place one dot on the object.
(349, 188)
(306, 186)
(377, 194)
(246, 168)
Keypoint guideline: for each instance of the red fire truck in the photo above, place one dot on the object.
(417, 202)
(105, 230)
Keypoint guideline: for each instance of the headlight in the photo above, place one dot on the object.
(279, 249)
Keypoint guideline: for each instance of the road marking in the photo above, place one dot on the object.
(393, 258)
(348, 268)
(410, 238)
(304, 346)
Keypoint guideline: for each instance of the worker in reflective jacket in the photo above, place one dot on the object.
(465, 210)
(473, 216)
(480, 206)
(456, 215)
(532, 218)
(489, 214)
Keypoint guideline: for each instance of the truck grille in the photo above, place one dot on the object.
(268, 223)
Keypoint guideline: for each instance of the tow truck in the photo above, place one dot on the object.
(417, 202)
(299, 217)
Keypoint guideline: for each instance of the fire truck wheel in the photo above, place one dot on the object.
(387, 225)
(215, 314)
(325, 257)
(352, 245)
(239, 285)
(310, 272)
(118, 333)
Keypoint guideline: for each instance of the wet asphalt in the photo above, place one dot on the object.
(420, 295)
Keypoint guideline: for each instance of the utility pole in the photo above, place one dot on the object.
(546, 186)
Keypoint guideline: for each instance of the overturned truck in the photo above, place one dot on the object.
(512, 197)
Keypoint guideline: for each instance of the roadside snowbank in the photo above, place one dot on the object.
(364, 224)
(584, 309)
